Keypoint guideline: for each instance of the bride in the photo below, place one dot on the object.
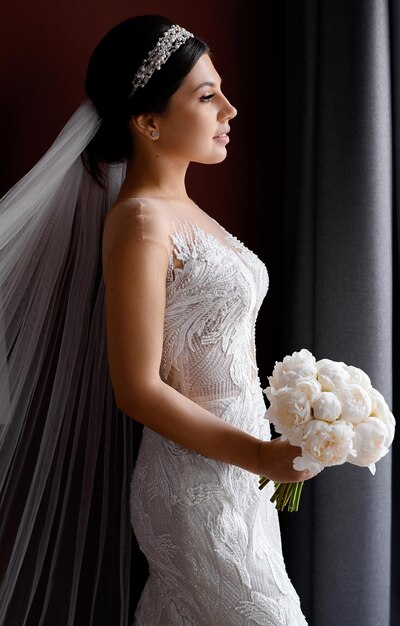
(123, 302)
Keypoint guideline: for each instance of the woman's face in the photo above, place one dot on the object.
(195, 124)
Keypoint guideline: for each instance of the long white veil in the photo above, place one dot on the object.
(65, 449)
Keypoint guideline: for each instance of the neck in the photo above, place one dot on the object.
(153, 175)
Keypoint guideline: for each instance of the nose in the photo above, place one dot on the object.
(228, 111)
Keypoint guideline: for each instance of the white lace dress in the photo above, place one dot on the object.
(210, 536)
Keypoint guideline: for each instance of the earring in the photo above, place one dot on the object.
(154, 134)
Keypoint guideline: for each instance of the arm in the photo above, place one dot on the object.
(135, 292)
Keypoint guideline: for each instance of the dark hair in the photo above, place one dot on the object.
(110, 72)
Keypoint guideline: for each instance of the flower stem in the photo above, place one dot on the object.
(263, 481)
(285, 494)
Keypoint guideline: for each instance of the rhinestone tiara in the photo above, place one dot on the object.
(170, 41)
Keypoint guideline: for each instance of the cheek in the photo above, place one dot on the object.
(190, 135)
(195, 128)
(196, 123)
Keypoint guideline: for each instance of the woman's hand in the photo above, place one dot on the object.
(277, 456)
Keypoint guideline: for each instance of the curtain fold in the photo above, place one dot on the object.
(340, 275)
(394, 24)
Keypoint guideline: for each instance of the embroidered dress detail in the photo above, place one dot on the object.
(211, 538)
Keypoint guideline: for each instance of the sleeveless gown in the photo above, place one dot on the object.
(210, 536)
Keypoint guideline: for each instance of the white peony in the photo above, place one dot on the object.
(332, 374)
(289, 408)
(269, 392)
(293, 435)
(356, 403)
(381, 409)
(293, 367)
(309, 386)
(379, 404)
(369, 442)
(305, 462)
(325, 444)
(326, 407)
(358, 377)
(390, 423)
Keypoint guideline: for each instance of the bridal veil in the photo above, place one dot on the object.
(65, 449)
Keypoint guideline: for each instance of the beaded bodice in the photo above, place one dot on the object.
(211, 309)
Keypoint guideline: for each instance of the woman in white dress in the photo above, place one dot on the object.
(117, 290)
(181, 298)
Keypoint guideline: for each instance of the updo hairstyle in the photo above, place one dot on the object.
(108, 84)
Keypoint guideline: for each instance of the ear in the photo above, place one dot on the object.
(143, 124)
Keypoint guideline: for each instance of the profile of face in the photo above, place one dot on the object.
(195, 124)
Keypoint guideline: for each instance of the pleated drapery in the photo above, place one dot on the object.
(340, 276)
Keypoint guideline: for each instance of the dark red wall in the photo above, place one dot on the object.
(44, 49)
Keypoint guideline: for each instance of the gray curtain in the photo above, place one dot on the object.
(340, 283)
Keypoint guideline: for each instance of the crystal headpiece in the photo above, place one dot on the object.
(170, 41)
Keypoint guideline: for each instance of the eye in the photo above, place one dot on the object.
(207, 98)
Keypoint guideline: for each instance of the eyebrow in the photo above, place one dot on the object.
(206, 83)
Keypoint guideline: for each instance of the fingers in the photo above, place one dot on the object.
(309, 474)
(277, 457)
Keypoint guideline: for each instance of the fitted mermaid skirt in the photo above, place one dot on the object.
(210, 536)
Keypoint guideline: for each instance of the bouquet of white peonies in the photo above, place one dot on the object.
(330, 410)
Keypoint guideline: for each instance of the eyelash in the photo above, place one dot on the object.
(207, 98)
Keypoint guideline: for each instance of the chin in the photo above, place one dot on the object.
(212, 160)
(221, 158)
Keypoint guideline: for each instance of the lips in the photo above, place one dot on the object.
(224, 133)
(224, 139)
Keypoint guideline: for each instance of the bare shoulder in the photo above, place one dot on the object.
(121, 212)
(135, 219)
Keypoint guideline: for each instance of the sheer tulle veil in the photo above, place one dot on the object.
(65, 448)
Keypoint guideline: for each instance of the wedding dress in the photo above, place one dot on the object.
(210, 536)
